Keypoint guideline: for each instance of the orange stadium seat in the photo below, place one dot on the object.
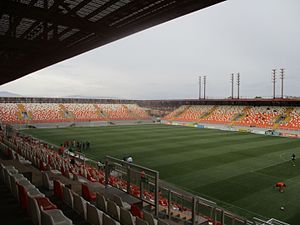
(255, 116)
(293, 122)
(69, 112)
(223, 114)
(261, 116)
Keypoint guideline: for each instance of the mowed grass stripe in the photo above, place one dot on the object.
(206, 152)
(225, 171)
(213, 163)
(106, 131)
(175, 169)
(162, 153)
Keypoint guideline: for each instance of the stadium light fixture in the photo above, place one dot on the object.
(199, 87)
(282, 78)
(274, 81)
(238, 82)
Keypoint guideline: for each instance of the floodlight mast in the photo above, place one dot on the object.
(282, 78)
(274, 81)
(199, 87)
(204, 87)
(238, 82)
(232, 83)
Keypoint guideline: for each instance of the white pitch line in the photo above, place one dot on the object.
(281, 156)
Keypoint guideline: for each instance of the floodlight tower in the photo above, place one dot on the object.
(204, 87)
(281, 78)
(238, 82)
(199, 87)
(274, 81)
(232, 83)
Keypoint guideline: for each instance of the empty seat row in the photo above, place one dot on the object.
(54, 112)
(259, 116)
(41, 210)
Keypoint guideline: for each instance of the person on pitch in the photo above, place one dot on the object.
(281, 186)
(293, 157)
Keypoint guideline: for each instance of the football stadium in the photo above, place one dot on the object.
(118, 161)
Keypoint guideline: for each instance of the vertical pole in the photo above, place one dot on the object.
(194, 211)
(156, 194)
(274, 81)
(199, 87)
(232, 83)
(238, 82)
(222, 217)
(142, 189)
(128, 179)
(282, 77)
(214, 213)
(106, 173)
(204, 87)
(169, 203)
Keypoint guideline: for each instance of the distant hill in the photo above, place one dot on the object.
(90, 97)
(9, 94)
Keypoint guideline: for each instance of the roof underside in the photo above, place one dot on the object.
(37, 33)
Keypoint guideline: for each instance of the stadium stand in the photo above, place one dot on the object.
(261, 116)
(123, 111)
(17, 113)
(43, 112)
(271, 117)
(82, 112)
(8, 113)
(40, 208)
(194, 113)
(223, 114)
(291, 119)
(172, 115)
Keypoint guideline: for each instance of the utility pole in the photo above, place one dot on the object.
(204, 86)
(232, 83)
(199, 87)
(282, 77)
(274, 81)
(238, 82)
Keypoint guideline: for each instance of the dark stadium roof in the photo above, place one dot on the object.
(37, 33)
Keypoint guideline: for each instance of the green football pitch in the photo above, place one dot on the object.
(237, 170)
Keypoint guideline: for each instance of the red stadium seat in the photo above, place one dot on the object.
(87, 193)
(57, 189)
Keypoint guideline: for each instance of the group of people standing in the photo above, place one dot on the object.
(76, 145)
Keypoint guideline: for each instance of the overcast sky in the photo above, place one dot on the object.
(247, 36)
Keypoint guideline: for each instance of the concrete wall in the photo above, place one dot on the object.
(83, 124)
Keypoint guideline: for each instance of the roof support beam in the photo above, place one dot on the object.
(26, 54)
(101, 8)
(17, 20)
(39, 14)
(71, 12)
(78, 7)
